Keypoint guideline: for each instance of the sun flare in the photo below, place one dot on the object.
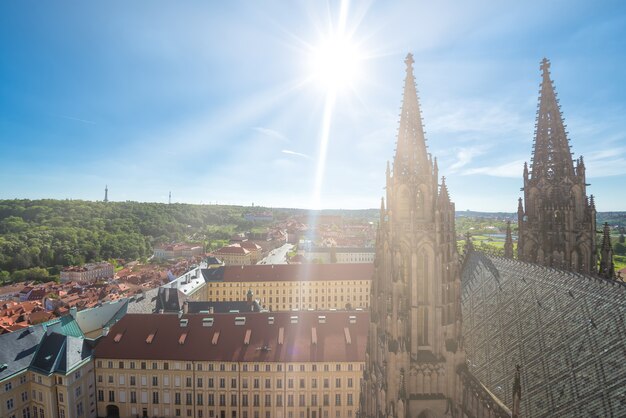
(335, 62)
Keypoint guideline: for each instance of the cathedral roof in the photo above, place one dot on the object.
(565, 329)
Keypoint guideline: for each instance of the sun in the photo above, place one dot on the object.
(335, 62)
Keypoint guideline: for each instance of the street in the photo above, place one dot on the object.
(278, 255)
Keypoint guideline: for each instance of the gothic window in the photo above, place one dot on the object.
(419, 204)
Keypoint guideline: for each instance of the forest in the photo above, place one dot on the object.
(39, 237)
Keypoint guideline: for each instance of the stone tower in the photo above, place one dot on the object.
(607, 268)
(106, 193)
(414, 339)
(557, 222)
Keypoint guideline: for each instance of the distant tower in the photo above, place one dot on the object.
(414, 341)
(607, 268)
(106, 193)
(169, 201)
(508, 241)
(557, 222)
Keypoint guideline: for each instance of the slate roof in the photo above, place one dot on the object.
(272, 337)
(143, 303)
(566, 330)
(169, 299)
(18, 349)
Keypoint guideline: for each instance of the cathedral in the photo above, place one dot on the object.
(480, 335)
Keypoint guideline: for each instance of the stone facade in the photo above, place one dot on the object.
(413, 346)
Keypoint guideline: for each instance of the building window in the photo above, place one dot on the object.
(155, 381)
(79, 409)
(279, 383)
(132, 381)
(133, 397)
(188, 382)
(255, 400)
(25, 396)
(314, 383)
(199, 399)
(9, 404)
(177, 398)
(188, 399)
(211, 399)
(290, 400)
(326, 383)
(338, 382)
(222, 383)
(222, 400)
(121, 365)
(290, 383)
(326, 400)
(233, 383)
(279, 400)
(268, 383)
(61, 397)
(338, 399)
(256, 383)
(350, 382)
(233, 400)
(349, 401)
(111, 396)
(154, 366)
(100, 395)
(199, 382)
(302, 401)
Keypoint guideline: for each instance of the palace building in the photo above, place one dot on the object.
(287, 287)
(280, 365)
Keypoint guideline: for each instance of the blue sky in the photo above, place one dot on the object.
(209, 100)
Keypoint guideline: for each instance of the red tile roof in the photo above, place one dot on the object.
(298, 272)
(272, 337)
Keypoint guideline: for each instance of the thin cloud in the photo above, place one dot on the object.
(299, 154)
(271, 133)
(90, 122)
(511, 169)
(464, 156)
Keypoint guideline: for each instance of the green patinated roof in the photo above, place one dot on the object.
(65, 325)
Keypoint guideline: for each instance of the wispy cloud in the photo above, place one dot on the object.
(605, 163)
(271, 133)
(299, 154)
(90, 122)
(511, 169)
(464, 156)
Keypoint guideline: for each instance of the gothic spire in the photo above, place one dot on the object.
(517, 393)
(607, 268)
(411, 155)
(551, 158)
(508, 241)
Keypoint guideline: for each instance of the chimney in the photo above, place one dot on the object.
(185, 307)
(73, 311)
(105, 331)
